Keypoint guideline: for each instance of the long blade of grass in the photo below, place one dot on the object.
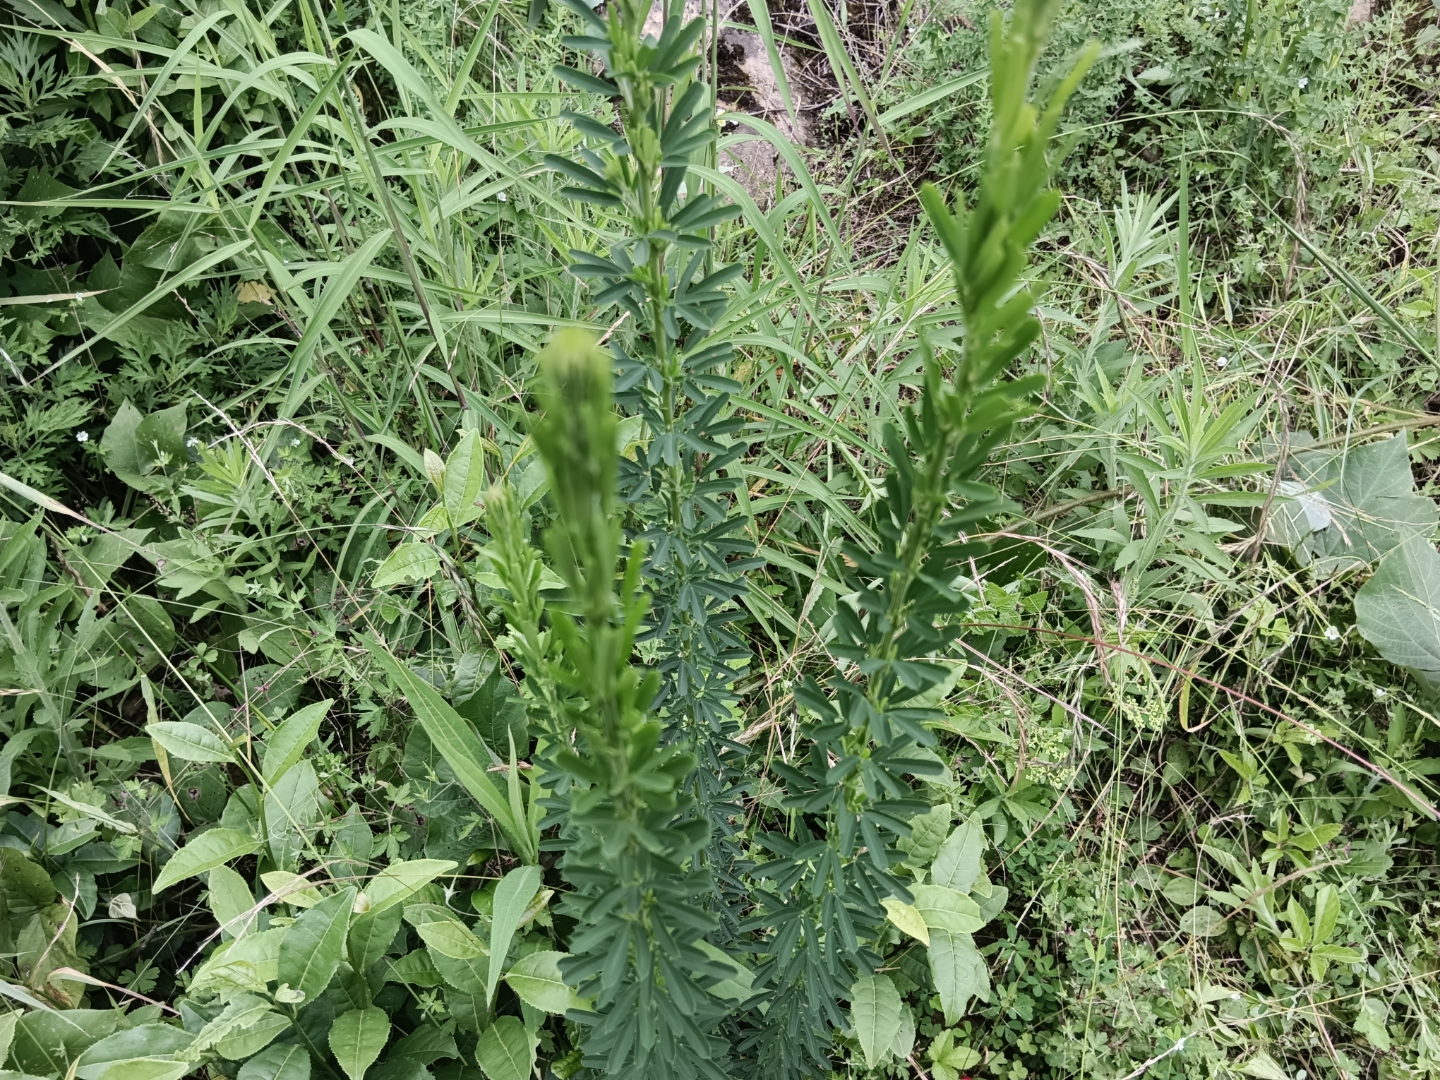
(1358, 290)
(786, 149)
(162, 80)
(169, 285)
(337, 290)
(283, 157)
(840, 63)
(456, 742)
(936, 93)
(760, 12)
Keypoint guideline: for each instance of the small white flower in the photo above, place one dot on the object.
(1222, 361)
(1332, 633)
(1380, 693)
(83, 436)
(192, 441)
(294, 442)
(1304, 82)
(503, 197)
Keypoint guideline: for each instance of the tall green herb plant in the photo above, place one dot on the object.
(629, 831)
(849, 794)
(660, 274)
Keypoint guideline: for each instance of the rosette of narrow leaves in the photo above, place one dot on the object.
(631, 837)
(850, 793)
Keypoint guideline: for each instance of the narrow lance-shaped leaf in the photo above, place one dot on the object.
(512, 896)
(205, 852)
(189, 742)
(285, 745)
(458, 745)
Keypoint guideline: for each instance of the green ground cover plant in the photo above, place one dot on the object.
(489, 590)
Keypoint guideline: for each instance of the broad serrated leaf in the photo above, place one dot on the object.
(467, 976)
(1398, 610)
(356, 1039)
(904, 1043)
(1370, 506)
(451, 939)
(410, 563)
(285, 745)
(536, 980)
(45, 1042)
(292, 807)
(944, 908)
(242, 1042)
(957, 864)
(232, 902)
(505, 1051)
(875, 1007)
(1202, 921)
(1182, 890)
(204, 852)
(907, 917)
(927, 834)
(7, 1034)
(1310, 839)
(1263, 1066)
(464, 478)
(247, 964)
(145, 1052)
(291, 888)
(289, 1062)
(314, 945)
(959, 972)
(142, 1068)
(370, 935)
(401, 879)
(189, 742)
